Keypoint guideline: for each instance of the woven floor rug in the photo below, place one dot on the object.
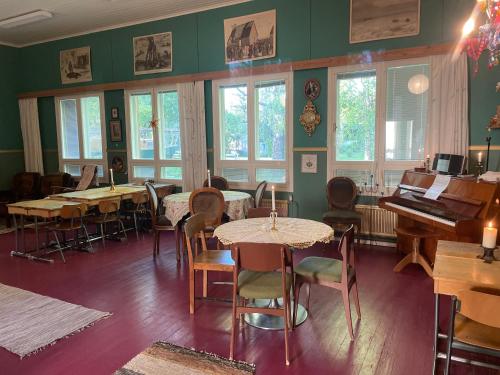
(30, 321)
(164, 358)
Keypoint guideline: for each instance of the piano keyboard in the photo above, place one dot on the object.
(421, 214)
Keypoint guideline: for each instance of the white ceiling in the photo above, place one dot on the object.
(74, 17)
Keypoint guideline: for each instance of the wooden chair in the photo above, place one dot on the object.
(332, 273)
(70, 219)
(109, 213)
(217, 182)
(474, 326)
(417, 236)
(264, 212)
(207, 260)
(342, 193)
(210, 202)
(260, 273)
(159, 222)
(259, 193)
(139, 201)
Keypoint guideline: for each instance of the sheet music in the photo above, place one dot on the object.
(88, 175)
(440, 184)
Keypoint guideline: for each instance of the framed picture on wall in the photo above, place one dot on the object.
(153, 53)
(114, 113)
(115, 127)
(309, 163)
(383, 19)
(251, 37)
(74, 65)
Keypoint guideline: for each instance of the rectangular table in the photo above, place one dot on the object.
(92, 197)
(457, 267)
(44, 208)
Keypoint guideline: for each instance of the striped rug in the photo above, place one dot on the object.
(30, 321)
(165, 358)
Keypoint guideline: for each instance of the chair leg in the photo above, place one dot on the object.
(135, 225)
(233, 329)
(102, 234)
(191, 290)
(87, 237)
(347, 308)
(120, 224)
(59, 247)
(155, 242)
(451, 332)
(158, 242)
(356, 299)
(286, 319)
(205, 284)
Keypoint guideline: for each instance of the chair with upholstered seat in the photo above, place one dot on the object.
(206, 260)
(217, 182)
(260, 272)
(342, 194)
(159, 222)
(333, 273)
(259, 194)
(474, 326)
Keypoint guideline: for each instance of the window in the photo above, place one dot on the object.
(154, 147)
(81, 133)
(253, 130)
(380, 117)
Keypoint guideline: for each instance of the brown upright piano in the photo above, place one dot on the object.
(459, 214)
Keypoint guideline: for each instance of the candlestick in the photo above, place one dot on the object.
(273, 200)
(209, 179)
(490, 236)
(273, 215)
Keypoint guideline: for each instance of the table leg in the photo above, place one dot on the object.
(436, 332)
(16, 231)
(37, 246)
(451, 328)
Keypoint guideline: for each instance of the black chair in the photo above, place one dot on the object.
(342, 194)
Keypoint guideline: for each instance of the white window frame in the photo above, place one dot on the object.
(252, 164)
(156, 162)
(379, 164)
(82, 160)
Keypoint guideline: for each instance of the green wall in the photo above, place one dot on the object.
(306, 29)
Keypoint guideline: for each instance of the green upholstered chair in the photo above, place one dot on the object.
(333, 273)
(342, 194)
(260, 272)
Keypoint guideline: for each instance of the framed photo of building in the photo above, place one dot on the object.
(75, 65)
(383, 19)
(153, 53)
(115, 128)
(250, 37)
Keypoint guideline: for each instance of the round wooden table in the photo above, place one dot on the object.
(296, 233)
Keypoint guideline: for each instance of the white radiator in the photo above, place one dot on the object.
(377, 221)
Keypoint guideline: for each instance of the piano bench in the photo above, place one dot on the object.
(416, 235)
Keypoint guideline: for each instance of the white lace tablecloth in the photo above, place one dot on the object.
(237, 204)
(296, 233)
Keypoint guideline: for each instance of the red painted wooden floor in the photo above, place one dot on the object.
(149, 302)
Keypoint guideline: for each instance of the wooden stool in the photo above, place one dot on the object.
(415, 234)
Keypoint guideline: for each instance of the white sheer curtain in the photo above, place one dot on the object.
(28, 113)
(448, 130)
(194, 146)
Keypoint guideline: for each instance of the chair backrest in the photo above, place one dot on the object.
(259, 193)
(153, 202)
(73, 211)
(139, 198)
(89, 175)
(26, 185)
(217, 182)
(341, 193)
(109, 206)
(261, 257)
(346, 247)
(480, 306)
(259, 212)
(195, 225)
(208, 201)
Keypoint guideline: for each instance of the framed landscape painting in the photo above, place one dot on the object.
(383, 19)
(75, 65)
(251, 37)
(153, 53)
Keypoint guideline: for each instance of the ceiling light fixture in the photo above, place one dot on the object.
(24, 19)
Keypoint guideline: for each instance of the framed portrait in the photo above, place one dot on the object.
(153, 53)
(383, 19)
(75, 66)
(115, 113)
(309, 163)
(115, 127)
(251, 37)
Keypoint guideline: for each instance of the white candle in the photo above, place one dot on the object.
(479, 157)
(111, 175)
(273, 199)
(490, 236)
(209, 180)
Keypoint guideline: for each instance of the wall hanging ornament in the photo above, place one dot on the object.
(310, 118)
